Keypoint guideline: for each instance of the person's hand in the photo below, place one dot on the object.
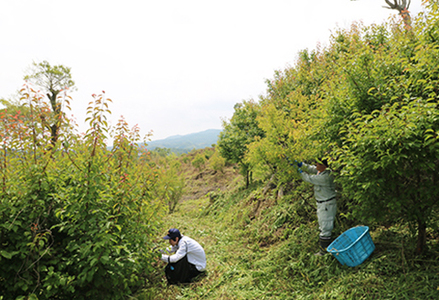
(156, 250)
(165, 257)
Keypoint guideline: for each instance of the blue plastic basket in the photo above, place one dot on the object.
(353, 246)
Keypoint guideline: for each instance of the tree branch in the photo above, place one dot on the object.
(402, 7)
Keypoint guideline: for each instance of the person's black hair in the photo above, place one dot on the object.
(324, 162)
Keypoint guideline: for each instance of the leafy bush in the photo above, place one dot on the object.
(238, 133)
(170, 186)
(368, 102)
(199, 161)
(76, 218)
(217, 162)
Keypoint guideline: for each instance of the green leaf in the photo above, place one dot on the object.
(8, 255)
(32, 297)
(93, 262)
(371, 89)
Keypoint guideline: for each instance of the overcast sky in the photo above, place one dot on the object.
(173, 67)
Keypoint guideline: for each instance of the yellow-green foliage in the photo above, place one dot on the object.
(217, 162)
(368, 102)
(199, 161)
(238, 133)
(170, 184)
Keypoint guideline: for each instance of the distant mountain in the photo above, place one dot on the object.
(188, 142)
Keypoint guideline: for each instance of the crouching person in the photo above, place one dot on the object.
(188, 260)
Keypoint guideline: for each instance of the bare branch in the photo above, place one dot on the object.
(402, 7)
(399, 5)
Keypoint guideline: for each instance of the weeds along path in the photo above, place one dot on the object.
(231, 273)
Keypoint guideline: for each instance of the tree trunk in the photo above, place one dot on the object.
(54, 133)
(402, 7)
(280, 192)
(56, 109)
(422, 237)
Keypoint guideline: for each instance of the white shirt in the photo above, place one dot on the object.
(191, 248)
(324, 187)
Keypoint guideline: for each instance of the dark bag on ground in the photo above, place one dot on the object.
(179, 272)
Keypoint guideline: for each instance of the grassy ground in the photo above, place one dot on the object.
(261, 247)
(241, 265)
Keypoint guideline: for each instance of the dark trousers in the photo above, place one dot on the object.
(181, 271)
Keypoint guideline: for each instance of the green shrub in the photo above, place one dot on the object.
(217, 162)
(199, 161)
(76, 219)
(170, 186)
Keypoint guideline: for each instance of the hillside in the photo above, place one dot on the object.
(185, 143)
(200, 183)
(260, 246)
